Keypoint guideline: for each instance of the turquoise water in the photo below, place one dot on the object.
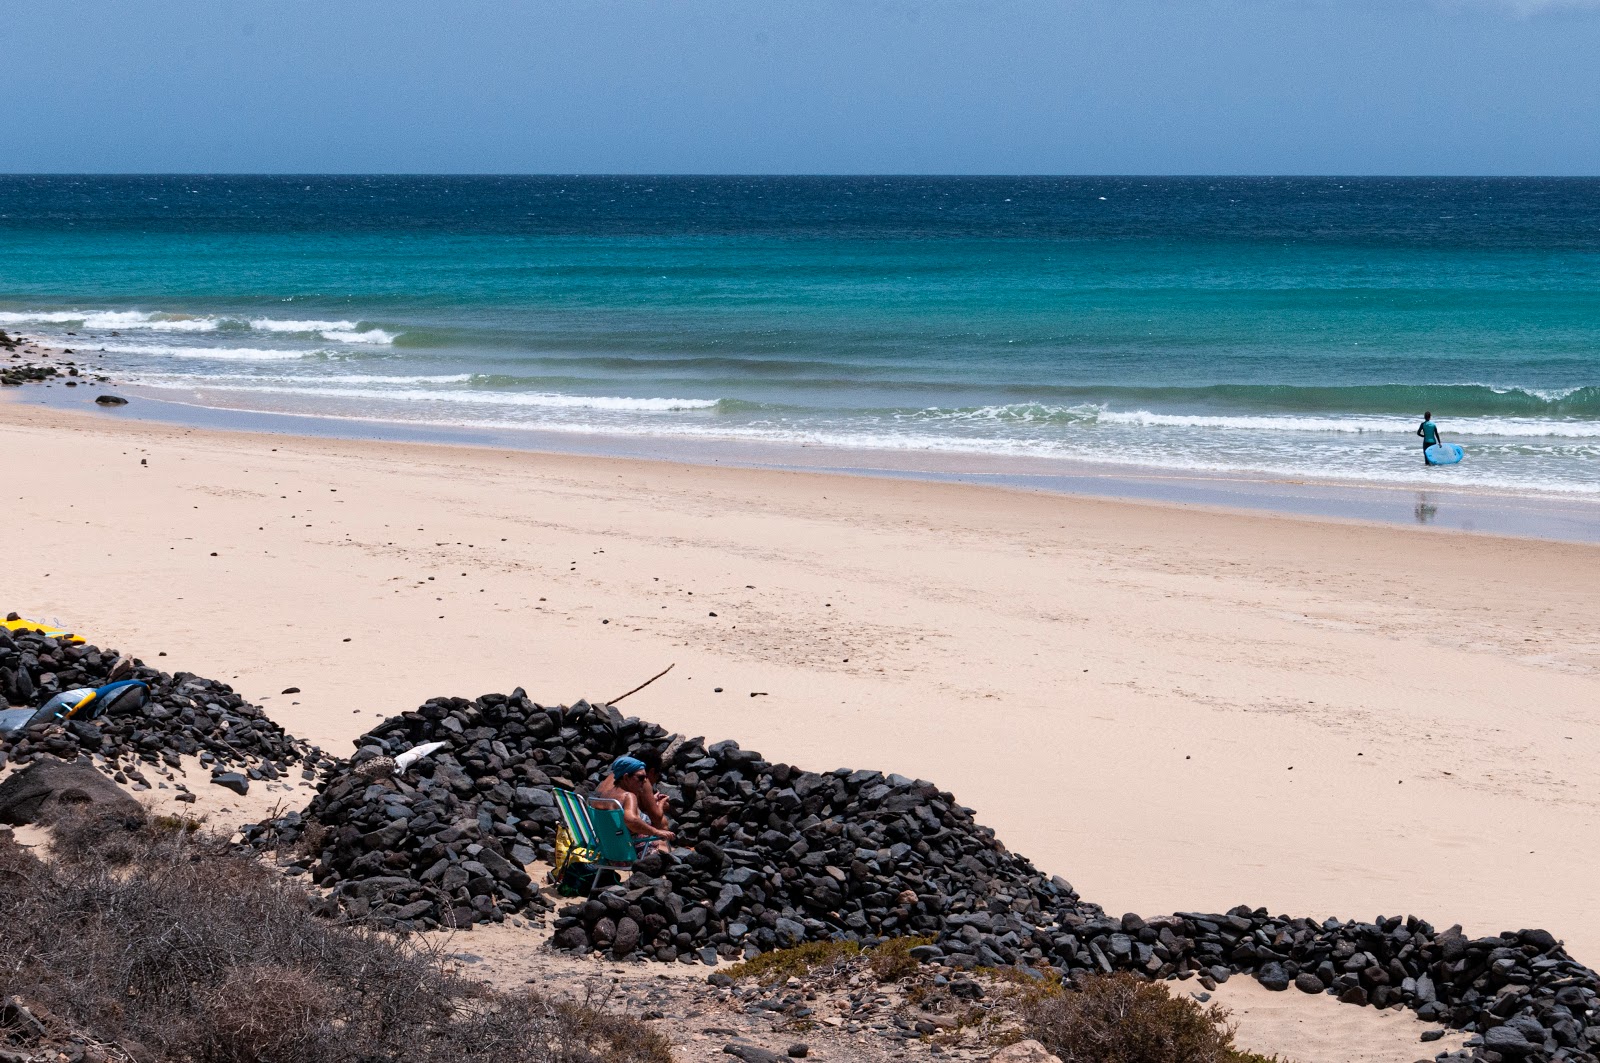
(1267, 327)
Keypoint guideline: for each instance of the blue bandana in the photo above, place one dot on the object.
(624, 766)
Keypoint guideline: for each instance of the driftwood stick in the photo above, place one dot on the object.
(646, 683)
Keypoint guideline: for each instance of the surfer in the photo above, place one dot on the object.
(1429, 433)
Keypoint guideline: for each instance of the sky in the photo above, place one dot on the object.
(802, 86)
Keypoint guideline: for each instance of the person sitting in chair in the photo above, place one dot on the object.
(628, 785)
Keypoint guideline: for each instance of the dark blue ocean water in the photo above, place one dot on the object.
(1291, 327)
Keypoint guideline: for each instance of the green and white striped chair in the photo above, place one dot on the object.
(596, 838)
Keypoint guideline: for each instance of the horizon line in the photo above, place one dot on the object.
(310, 174)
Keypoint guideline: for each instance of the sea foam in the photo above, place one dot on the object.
(156, 321)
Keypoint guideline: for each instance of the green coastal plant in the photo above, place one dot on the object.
(890, 961)
(802, 960)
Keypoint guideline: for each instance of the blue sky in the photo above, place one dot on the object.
(802, 86)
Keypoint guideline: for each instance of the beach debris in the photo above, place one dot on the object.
(411, 756)
(646, 683)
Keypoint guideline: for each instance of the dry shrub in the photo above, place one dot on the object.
(781, 964)
(892, 960)
(1121, 1019)
(111, 837)
(136, 933)
(266, 1012)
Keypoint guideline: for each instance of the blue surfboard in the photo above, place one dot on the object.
(1444, 454)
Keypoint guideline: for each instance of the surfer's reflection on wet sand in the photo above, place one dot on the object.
(1425, 510)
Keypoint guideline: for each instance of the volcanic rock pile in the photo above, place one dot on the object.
(445, 845)
(767, 856)
(1520, 991)
(775, 856)
(186, 715)
(778, 856)
(770, 856)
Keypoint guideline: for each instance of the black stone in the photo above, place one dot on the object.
(232, 780)
(49, 787)
(1273, 976)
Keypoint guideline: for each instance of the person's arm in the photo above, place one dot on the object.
(1419, 428)
(656, 805)
(636, 824)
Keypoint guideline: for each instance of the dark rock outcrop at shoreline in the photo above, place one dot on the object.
(15, 372)
(768, 856)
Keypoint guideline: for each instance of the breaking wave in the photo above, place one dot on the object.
(155, 321)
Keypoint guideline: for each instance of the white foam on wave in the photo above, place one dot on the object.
(1519, 427)
(371, 335)
(487, 398)
(155, 321)
(111, 320)
(334, 331)
(1162, 459)
(1371, 460)
(1546, 394)
(218, 380)
(1085, 416)
(220, 354)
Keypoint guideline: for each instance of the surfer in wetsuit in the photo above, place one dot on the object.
(1429, 433)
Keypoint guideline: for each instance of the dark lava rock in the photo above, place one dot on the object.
(1508, 1042)
(47, 787)
(1273, 977)
(239, 784)
(110, 400)
(752, 1053)
(626, 939)
(1307, 982)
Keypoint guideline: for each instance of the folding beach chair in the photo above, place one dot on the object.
(596, 840)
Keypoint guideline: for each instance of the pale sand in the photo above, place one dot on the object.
(1120, 689)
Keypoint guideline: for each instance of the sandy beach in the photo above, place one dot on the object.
(1173, 708)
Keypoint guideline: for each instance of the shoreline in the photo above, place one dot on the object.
(1459, 509)
(1313, 716)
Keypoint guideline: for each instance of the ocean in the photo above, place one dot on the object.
(1269, 327)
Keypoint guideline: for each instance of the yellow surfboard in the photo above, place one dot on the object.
(43, 629)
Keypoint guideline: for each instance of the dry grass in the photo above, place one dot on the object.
(1121, 1019)
(141, 934)
(892, 961)
(889, 962)
(802, 960)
